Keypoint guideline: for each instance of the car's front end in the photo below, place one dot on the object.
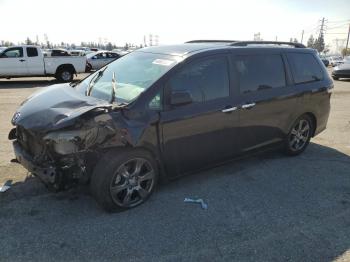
(60, 131)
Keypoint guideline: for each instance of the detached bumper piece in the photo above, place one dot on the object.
(46, 174)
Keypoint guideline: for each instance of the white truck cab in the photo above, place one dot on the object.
(26, 61)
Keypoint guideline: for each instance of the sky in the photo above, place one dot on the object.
(174, 21)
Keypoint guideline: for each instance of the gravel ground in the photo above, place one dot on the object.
(267, 207)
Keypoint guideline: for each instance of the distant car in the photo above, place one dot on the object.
(335, 60)
(342, 71)
(99, 59)
(56, 52)
(325, 61)
(77, 52)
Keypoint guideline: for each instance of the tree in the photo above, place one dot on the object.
(311, 42)
(28, 41)
(319, 44)
(126, 47)
(109, 46)
(345, 52)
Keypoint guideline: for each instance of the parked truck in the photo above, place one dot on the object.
(29, 61)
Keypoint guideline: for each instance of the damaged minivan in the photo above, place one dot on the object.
(165, 111)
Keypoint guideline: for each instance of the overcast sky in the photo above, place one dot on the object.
(175, 21)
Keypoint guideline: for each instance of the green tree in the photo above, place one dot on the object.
(28, 41)
(311, 42)
(345, 52)
(319, 43)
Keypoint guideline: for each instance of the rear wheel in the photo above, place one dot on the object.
(124, 179)
(65, 75)
(299, 136)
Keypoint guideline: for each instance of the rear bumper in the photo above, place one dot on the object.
(46, 174)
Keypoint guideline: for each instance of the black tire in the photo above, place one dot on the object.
(88, 68)
(335, 78)
(299, 136)
(109, 176)
(65, 75)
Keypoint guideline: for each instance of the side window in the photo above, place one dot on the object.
(205, 80)
(32, 51)
(305, 68)
(259, 72)
(13, 52)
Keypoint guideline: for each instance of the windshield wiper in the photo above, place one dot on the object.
(94, 80)
(114, 88)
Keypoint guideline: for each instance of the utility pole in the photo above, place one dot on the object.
(302, 36)
(347, 42)
(322, 28)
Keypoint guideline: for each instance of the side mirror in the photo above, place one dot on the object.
(180, 98)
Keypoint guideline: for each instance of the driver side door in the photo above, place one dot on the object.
(12, 62)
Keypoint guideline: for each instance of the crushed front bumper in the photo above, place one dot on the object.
(46, 174)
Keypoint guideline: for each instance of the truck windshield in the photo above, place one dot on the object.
(133, 74)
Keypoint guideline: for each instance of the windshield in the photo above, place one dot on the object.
(133, 74)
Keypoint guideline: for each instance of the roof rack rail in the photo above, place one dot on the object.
(210, 41)
(245, 43)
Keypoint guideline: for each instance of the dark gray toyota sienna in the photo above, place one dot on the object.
(165, 111)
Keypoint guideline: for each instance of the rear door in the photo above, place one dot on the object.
(35, 61)
(206, 131)
(13, 62)
(267, 95)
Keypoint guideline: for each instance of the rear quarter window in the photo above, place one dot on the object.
(32, 52)
(305, 68)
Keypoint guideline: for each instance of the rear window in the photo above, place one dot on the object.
(32, 51)
(259, 72)
(305, 68)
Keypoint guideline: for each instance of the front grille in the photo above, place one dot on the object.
(30, 142)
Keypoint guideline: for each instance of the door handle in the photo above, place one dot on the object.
(230, 109)
(248, 106)
(22, 60)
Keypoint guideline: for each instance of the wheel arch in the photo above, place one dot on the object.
(66, 66)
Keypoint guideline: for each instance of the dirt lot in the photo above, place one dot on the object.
(264, 208)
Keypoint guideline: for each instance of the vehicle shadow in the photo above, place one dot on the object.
(268, 205)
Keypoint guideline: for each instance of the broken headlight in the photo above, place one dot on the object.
(64, 142)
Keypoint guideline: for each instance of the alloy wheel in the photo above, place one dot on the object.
(299, 135)
(132, 183)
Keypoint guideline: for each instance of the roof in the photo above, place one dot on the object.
(182, 49)
(201, 45)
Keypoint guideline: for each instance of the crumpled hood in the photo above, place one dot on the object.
(54, 107)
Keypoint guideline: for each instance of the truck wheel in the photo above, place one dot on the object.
(124, 178)
(299, 136)
(64, 75)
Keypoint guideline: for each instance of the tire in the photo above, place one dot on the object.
(88, 68)
(335, 78)
(117, 184)
(65, 75)
(299, 136)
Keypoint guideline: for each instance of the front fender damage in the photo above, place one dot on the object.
(74, 151)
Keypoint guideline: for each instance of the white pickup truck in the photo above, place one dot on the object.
(27, 61)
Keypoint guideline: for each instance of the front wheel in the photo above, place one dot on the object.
(124, 179)
(335, 78)
(299, 136)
